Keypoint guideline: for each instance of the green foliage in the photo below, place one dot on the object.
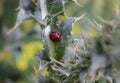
(89, 56)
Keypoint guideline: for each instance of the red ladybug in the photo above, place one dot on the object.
(54, 36)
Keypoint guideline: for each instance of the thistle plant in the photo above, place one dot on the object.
(66, 58)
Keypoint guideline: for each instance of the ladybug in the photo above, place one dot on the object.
(54, 36)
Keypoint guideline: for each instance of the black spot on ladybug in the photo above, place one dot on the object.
(54, 36)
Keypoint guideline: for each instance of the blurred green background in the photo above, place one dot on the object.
(17, 49)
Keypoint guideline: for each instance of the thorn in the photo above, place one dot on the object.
(81, 16)
(78, 3)
(100, 26)
(11, 30)
(17, 9)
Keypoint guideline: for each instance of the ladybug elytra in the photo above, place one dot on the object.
(54, 36)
